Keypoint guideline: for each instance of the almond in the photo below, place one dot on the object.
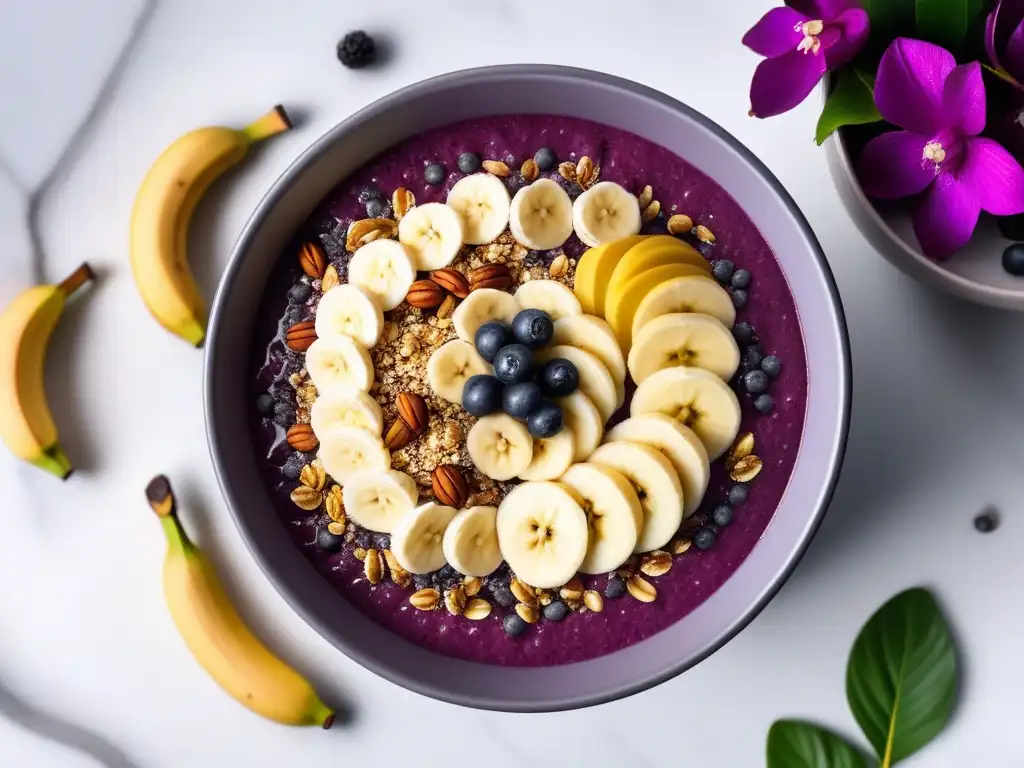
(373, 567)
(645, 197)
(312, 260)
(425, 294)
(367, 230)
(651, 212)
(425, 599)
(680, 546)
(524, 593)
(496, 167)
(413, 410)
(527, 613)
(300, 336)
(472, 585)
(656, 563)
(491, 276)
(447, 307)
(301, 438)
(529, 169)
(330, 279)
(593, 601)
(641, 589)
(559, 266)
(477, 609)
(743, 447)
(746, 469)
(584, 171)
(452, 281)
(449, 486)
(398, 435)
(704, 234)
(402, 201)
(679, 224)
(573, 590)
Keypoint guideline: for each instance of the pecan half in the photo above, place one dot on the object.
(413, 410)
(398, 435)
(449, 486)
(312, 260)
(301, 438)
(491, 276)
(300, 336)
(425, 294)
(452, 281)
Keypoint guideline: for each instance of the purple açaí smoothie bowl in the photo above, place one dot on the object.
(638, 138)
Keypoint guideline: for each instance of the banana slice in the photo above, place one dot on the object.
(695, 398)
(542, 532)
(699, 341)
(432, 233)
(451, 365)
(385, 270)
(595, 336)
(550, 296)
(500, 446)
(658, 251)
(581, 416)
(418, 536)
(656, 484)
(471, 542)
(484, 305)
(595, 380)
(338, 364)
(685, 294)
(604, 213)
(622, 305)
(349, 311)
(541, 215)
(614, 515)
(344, 409)
(347, 451)
(595, 269)
(377, 499)
(482, 203)
(681, 446)
(551, 456)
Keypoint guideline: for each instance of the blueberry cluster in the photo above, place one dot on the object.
(756, 369)
(519, 387)
(469, 162)
(376, 206)
(737, 281)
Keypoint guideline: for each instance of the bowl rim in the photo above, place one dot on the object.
(834, 462)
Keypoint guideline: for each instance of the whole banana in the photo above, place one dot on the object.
(26, 423)
(217, 636)
(163, 211)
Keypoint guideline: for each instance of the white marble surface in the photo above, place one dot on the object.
(88, 653)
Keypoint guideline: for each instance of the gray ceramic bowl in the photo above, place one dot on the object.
(622, 104)
(975, 273)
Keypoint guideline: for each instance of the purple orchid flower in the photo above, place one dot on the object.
(941, 106)
(1004, 40)
(802, 41)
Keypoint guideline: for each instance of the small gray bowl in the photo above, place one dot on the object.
(975, 273)
(624, 105)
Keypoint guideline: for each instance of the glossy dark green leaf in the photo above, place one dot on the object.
(946, 22)
(901, 678)
(799, 744)
(890, 18)
(852, 102)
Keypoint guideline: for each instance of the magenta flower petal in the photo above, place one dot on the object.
(1013, 54)
(892, 166)
(855, 27)
(995, 177)
(946, 216)
(780, 84)
(990, 39)
(908, 88)
(777, 33)
(963, 99)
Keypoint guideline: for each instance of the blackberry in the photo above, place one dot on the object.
(356, 50)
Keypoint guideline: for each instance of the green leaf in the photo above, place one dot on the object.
(943, 22)
(901, 678)
(799, 744)
(852, 102)
(890, 18)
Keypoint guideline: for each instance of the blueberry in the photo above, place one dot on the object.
(375, 208)
(986, 522)
(704, 539)
(533, 328)
(1013, 259)
(481, 395)
(764, 403)
(559, 377)
(1012, 226)
(284, 414)
(546, 421)
(327, 541)
(522, 399)
(707, 250)
(556, 611)
(299, 293)
(366, 194)
(503, 596)
(772, 366)
(489, 339)
(265, 404)
(513, 364)
(513, 625)
(615, 588)
(434, 174)
(722, 514)
(723, 270)
(421, 580)
(752, 357)
(739, 298)
(741, 278)
(755, 381)
(292, 468)
(469, 162)
(743, 333)
(545, 159)
(737, 494)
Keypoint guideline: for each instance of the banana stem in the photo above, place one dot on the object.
(77, 279)
(274, 122)
(161, 499)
